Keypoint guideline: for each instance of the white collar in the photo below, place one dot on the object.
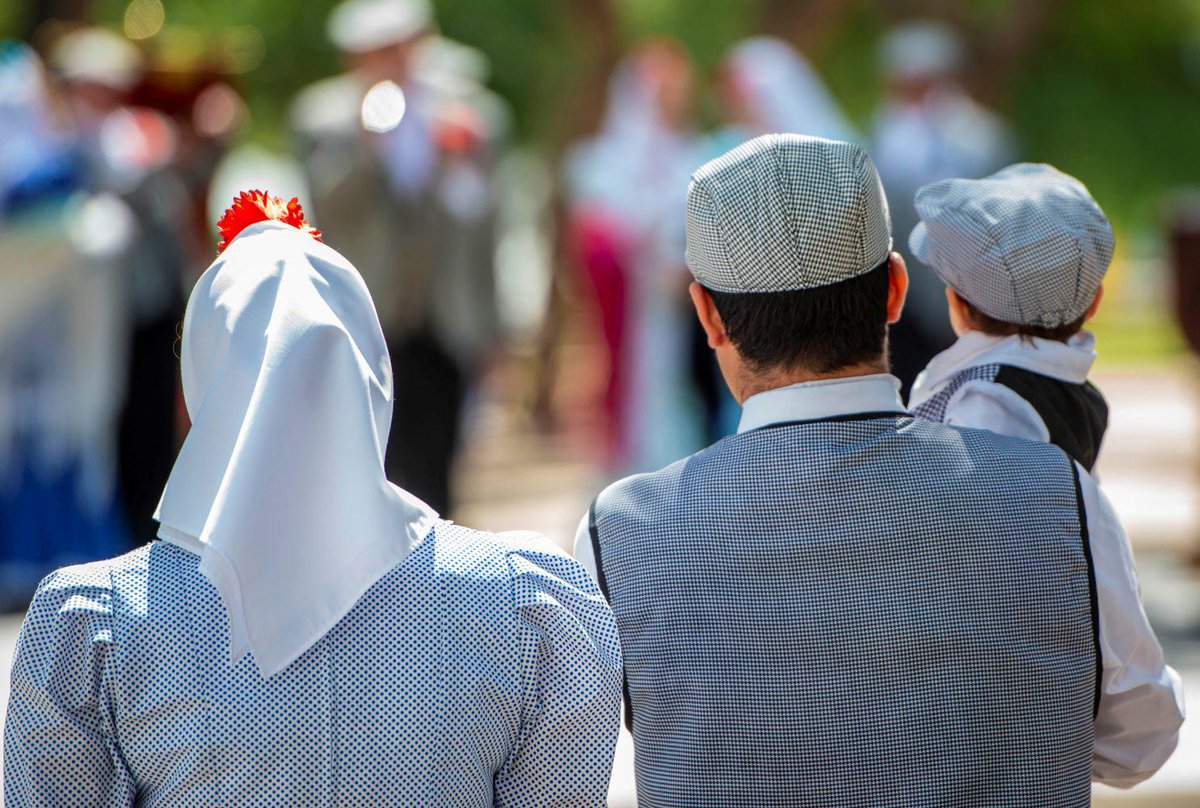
(1069, 362)
(827, 398)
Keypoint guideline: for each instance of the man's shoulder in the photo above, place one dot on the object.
(934, 444)
(955, 452)
(662, 476)
(650, 492)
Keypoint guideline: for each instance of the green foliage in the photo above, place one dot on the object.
(295, 48)
(1108, 96)
(1110, 90)
(705, 27)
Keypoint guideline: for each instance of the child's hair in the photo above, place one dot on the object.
(998, 328)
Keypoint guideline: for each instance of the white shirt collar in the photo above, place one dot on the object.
(1069, 362)
(827, 398)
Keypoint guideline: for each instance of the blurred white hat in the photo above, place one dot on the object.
(922, 49)
(439, 58)
(360, 26)
(98, 56)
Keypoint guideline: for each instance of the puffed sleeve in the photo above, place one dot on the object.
(59, 743)
(572, 671)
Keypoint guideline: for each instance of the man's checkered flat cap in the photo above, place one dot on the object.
(786, 212)
(1027, 245)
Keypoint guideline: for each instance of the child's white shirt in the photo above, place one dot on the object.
(989, 405)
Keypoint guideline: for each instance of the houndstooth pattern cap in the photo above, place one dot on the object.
(1027, 245)
(786, 212)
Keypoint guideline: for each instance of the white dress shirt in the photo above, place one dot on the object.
(1141, 699)
(990, 405)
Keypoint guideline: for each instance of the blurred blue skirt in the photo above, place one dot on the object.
(44, 525)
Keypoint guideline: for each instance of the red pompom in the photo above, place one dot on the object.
(251, 207)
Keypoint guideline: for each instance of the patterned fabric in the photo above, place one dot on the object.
(1026, 245)
(934, 408)
(483, 671)
(786, 212)
(856, 612)
(1075, 416)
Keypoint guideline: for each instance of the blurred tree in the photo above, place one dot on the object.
(1107, 89)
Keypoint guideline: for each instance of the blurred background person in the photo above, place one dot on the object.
(399, 153)
(62, 328)
(132, 152)
(36, 161)
(927, 129)
(765, 86)
(626, 186)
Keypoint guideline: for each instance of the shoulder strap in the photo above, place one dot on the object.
(1085, 538)
(594, 531)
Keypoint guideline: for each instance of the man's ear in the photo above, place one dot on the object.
(706, 312)
(897, 286)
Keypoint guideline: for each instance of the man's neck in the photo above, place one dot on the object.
(753, 384)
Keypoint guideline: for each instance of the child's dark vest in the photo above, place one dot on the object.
(1076, 415)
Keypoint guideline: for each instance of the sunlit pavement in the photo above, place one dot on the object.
(513, 477)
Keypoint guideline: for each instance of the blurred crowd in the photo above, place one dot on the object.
(113, 154)
(626, 188)
(104, 161)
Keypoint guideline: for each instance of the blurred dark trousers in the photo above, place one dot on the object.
(427, 403)
(146, 435)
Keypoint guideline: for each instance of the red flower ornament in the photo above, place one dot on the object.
(251, 207)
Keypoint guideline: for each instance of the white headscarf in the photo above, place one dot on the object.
(280, 486)
(784, 92)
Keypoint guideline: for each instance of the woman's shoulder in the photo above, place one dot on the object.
(529, 566)
(75, 607)
(89, 586)
(483, 552)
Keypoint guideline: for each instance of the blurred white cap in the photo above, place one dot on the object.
(923, 49)
(442, 58)
(360, 26)
(97, 56)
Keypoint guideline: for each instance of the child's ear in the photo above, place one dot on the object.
(1092, 309)
(960, 314)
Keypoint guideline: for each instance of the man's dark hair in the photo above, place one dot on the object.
(999, 328)
(821, 330)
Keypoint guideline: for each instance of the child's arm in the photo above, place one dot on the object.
(1141, 698)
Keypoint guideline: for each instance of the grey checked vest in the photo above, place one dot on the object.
(1075, 415)
(860, 611)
